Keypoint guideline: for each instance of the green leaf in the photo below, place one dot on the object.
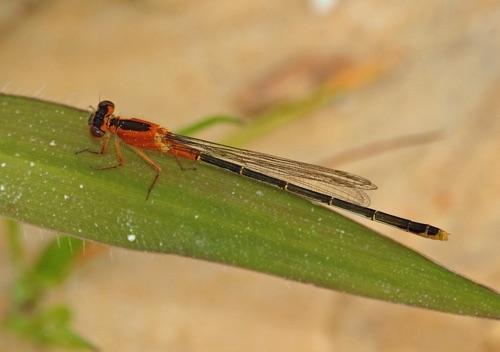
(52, 265)
(206, 213)
(50, 328)
(14, 241)
(208, 122)
(55, 261)
(27, 316)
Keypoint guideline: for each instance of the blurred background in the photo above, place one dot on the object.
(404, 94)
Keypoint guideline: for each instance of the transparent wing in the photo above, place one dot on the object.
(339, 184)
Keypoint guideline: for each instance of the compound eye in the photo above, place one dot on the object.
(96, 132)
(106, 106)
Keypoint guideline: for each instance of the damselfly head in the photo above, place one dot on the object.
(97, 120)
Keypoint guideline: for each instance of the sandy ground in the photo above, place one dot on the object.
(176, 62)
